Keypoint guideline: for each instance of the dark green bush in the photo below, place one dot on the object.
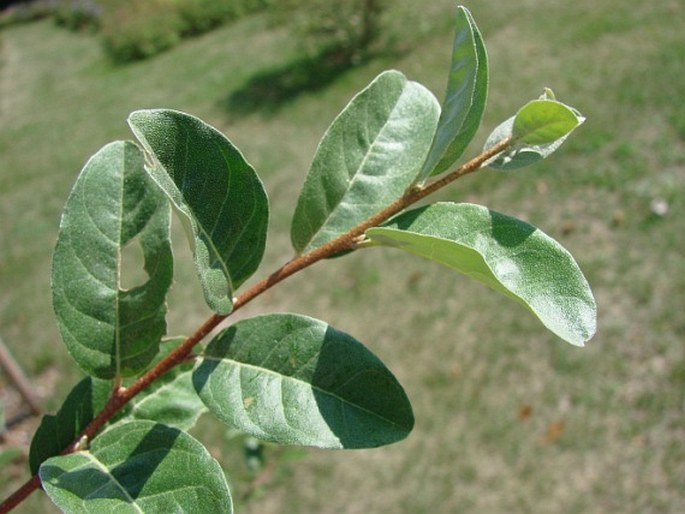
(139, 29)
(348, 27)
(78, 14)
(133, 30)
(202, 15)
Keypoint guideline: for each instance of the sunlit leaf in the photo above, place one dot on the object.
(467, 88)
(291, 379)
(109, 330)
(538, 129)
(219, 196)
(368, 157)
(138, 467)
(504, 253)
(542, 122)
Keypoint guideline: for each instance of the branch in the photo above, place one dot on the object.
(17, 377)
(346, 241)
(20, 494)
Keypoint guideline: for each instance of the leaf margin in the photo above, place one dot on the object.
(586, 322)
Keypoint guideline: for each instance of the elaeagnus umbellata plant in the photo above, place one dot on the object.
(119, 443)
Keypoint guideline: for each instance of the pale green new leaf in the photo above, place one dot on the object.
(291, 379)
(138, 467)
(218, 194)
(110, 331)
(464, 103)
(369, 156)
(537, 130)
(542, 122)
(170, 400)
(504, 253)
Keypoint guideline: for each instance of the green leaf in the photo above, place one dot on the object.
(368, 157)
(138, 467)
(218, 194)
(504, 253)
(170, 400)
(542, 122)
(464, 103)
(110, 331)
(538, 129)
(55, 433)
(291, 379)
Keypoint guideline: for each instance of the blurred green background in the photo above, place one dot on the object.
(509, 419)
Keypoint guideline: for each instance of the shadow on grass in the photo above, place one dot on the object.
(271, 89)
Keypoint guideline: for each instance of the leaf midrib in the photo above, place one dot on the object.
(359, 167)
(308, 384)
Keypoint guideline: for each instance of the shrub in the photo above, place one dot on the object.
(202, 15)
(78, 14)
(349, 27)
(136, 30)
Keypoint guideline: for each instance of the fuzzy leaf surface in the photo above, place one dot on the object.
(291, 379)
(137, 467)
(542, 122)
(464, 103)
(108, 330)
(366, 159)
(170, 400)
(218, 194)
(538, 129)
(56, 432)
(506, 254)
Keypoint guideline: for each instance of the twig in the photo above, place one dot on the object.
(346, 241)
(18, 379)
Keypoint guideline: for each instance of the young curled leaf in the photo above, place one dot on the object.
(537, 130)
(543, 121)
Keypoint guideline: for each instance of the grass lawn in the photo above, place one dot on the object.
(509, 419)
